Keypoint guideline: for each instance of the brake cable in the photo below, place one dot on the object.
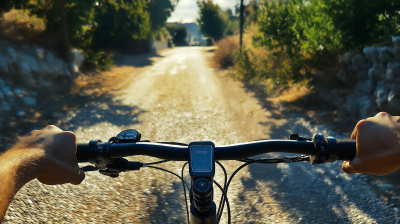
(248, 161)
(225, 179)
(227, 202)
(227, 187)
(158, 162)
(184, 190)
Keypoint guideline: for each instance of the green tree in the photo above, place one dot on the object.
(79, 14)
(160, 11)
(179, 34)
(362, 23)
(119, 21)
(231, 23)
(251, 13)
(7, 5)
(210, 21)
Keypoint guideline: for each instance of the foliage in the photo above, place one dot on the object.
(210, 22)
(19, 25)
(301, 36)
(178, 33)
(362, 23)
(104, 61)
(223, 55)
(251, 13)
(231, 23)
(160, 11)
(7, 5)
(78, 14)
(119, 21)
(98, 26)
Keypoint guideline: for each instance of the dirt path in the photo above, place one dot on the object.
(178, 97)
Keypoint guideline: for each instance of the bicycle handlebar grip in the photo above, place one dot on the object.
(346, 149)
(82, 152)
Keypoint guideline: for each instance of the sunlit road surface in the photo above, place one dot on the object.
(180, 98)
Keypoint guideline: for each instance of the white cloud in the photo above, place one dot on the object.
(186, 10)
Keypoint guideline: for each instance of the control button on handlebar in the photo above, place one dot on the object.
(202, 185)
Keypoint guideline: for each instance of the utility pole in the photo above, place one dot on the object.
(241, 23)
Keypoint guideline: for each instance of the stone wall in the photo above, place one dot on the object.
(29, 77)
(372, 82)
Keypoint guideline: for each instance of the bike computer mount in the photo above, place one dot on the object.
(202, 170)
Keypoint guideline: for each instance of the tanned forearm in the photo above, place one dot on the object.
(17, 167)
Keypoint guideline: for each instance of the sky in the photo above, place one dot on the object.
(186, 10)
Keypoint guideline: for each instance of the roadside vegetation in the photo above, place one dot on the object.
(95, 26)
(287, 42)
(179, 34)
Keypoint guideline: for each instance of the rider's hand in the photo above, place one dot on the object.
(56, 161)
(378, 147)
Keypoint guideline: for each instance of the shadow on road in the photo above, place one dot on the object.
(167, 212)
(311, 109)
(302, 198)
(70, 111)
(141, 60)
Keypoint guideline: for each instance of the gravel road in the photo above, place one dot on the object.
(179, 97)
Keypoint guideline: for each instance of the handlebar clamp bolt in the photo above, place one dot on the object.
(321, 146)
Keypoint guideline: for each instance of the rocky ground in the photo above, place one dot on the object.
(176, 96)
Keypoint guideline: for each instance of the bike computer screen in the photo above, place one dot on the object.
(201, 158)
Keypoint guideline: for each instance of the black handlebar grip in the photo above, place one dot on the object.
(346, 149)
(82, 152)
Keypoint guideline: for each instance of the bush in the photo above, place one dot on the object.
(100, 59)
(19, 25)
(178, 34)
(296, 37)
(223, 55)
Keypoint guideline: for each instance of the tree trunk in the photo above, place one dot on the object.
(67, 53)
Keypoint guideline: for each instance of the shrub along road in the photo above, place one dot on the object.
(179, 97)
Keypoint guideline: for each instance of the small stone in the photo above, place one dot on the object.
(30, 101)
(371, 53)
(21, 113)
(385, 54)
(19, 92)
(11, 53)
(39, 52)
(387, 186)
(396, 41)
(5, 106)
(7, 92)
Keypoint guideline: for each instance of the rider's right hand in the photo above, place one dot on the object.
(378, 146)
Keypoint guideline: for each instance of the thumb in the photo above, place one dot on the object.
(348, 168)
(81, 176)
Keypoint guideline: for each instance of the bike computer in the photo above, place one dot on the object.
(201, 159)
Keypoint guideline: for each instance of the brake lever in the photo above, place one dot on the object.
(88, 168)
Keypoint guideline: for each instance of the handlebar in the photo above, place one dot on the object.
(328, 150)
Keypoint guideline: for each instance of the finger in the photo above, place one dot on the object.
(348, 168)
(52, 127)
(80, 178)
(354, 134)
(383, 114)
(356, 128)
